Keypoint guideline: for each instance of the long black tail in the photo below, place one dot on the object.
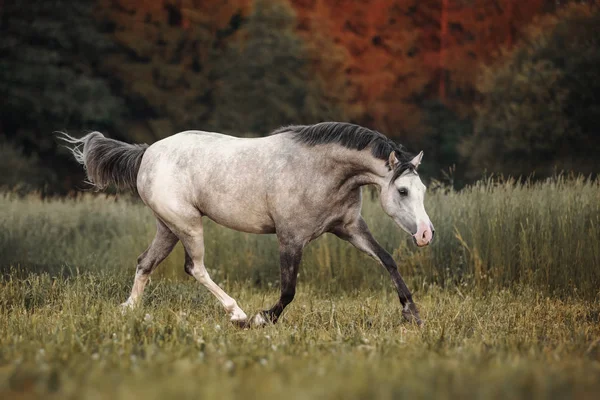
(107, 161)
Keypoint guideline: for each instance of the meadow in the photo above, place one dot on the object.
(509, 292)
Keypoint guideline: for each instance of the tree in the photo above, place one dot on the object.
(163, 62)
(263, 77)
(540, 100)
(48, 77)
(444, 131)
(334, 97)
(21, 172)
(471, 33)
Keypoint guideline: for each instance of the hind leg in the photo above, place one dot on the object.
(193, 241)
(185, 221)
(159, 249)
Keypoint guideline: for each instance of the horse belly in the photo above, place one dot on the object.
(241, 219)
(236, 206)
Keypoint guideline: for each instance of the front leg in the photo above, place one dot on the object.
(290, 255)
(359, 235)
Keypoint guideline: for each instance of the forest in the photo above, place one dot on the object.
(484, 87)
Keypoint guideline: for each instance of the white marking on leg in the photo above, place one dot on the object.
(237, 314)
(139, 284)
(159, 249)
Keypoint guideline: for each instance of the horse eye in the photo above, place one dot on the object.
(403, 192)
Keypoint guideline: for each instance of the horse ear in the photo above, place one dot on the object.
(417, 160)
(392, 160)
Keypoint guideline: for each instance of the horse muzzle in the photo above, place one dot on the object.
(424, 235)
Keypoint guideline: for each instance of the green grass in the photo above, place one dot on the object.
(510, 293)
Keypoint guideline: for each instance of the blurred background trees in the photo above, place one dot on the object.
(541, 100)
(500, 86)
(49, 80)
(262, 77)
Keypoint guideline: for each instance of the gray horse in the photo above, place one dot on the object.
(298, 183)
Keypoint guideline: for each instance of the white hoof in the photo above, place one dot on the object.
(259, 320)
(239, 318)
(238, 315)
(127, 306)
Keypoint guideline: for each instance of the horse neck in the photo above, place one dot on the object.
(360, 168)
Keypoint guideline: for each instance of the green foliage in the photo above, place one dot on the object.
(20, 172)
(47, 77)
(161, 68)
(444, 131)
(540, 100)
(262, 77)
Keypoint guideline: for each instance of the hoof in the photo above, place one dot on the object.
(411, 314)
(126, 307)
(241, 323)
(259, 320)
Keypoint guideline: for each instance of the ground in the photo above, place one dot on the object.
(66, 338)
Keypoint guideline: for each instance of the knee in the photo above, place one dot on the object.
(201, 275)
(142, 257)
(144, 265)
(194, 269)
(143, 269)
(198, 272)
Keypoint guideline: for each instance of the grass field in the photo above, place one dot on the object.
(510, 295)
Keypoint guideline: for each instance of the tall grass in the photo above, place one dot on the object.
(490, 235)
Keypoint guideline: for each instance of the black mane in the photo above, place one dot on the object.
(353, 137)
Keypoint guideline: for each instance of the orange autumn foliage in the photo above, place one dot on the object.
(389, 51)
